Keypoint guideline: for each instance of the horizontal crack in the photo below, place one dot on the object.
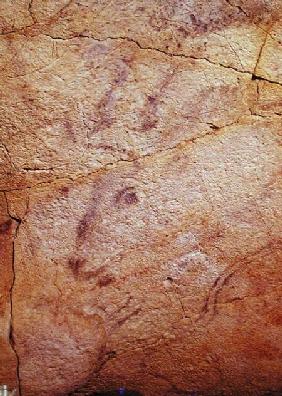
(27, 169)
(148, 48)
(252, 75)
(256, 77)
(215, 130)
(236, 299)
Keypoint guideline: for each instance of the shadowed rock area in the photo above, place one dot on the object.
(140, 197)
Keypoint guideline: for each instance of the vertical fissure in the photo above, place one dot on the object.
(267, 33)
(11, 331)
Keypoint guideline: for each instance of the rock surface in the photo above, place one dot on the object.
(140, 197)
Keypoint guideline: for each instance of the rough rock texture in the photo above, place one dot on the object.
(140, 196)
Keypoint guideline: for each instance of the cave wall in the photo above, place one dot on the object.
(140, 197)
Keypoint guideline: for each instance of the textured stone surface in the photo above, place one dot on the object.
(140, 196)
(8, 366)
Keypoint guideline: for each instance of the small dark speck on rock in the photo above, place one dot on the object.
(64, 190)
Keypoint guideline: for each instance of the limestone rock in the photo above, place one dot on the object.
(140, 196)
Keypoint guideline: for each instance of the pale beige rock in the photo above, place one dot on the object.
(269, 99)
(14, 15)
(269, 62)
(140, 149)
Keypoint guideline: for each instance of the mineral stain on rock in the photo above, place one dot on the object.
(84, 225)
(6, 226)
(126, 196)
(65, 191)
(105, 280)
(76, 265)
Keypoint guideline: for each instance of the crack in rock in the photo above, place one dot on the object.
(215, 131)
(11, 332)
